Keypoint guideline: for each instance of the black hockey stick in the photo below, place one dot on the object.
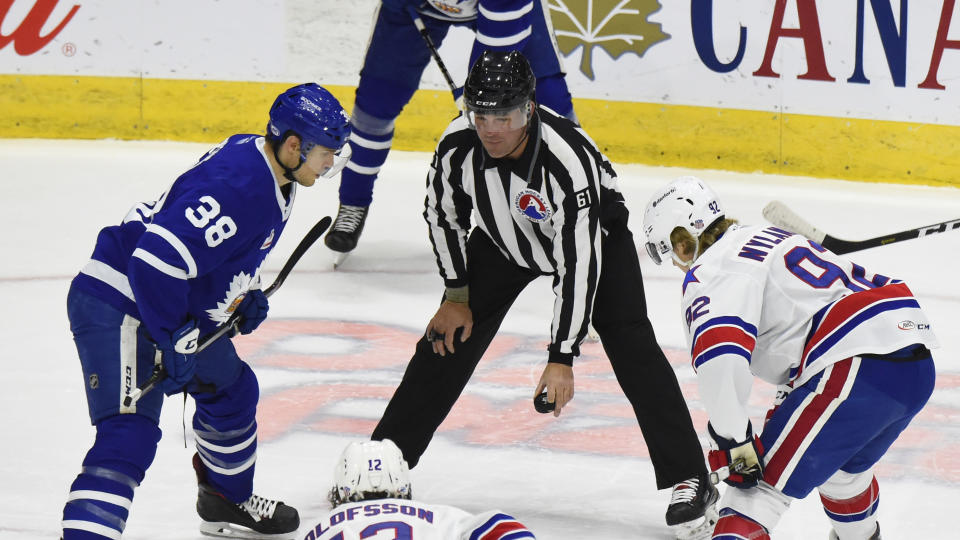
(782, 216)
(160, 374)
(425, 34)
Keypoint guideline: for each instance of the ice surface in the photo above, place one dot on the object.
(337, 342)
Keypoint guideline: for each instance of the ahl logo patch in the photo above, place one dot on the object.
(533, 205)
(910, 325)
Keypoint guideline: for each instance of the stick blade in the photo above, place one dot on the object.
(782, 216)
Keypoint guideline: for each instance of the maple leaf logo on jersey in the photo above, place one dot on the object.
(235, 293)
(616, 26)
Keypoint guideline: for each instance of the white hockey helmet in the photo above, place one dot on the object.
(686, 202)
(370, 470)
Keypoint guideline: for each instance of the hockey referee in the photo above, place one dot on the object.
(545, 203)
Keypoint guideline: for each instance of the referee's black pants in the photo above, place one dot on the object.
(432, 383)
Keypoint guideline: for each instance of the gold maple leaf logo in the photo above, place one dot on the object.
(616, 26)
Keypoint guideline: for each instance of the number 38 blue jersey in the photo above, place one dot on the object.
(196, 250)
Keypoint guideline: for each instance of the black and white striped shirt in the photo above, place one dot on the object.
(550, 224)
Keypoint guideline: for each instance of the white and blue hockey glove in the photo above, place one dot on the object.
(252, 311)
(738, 463)
(179, 357)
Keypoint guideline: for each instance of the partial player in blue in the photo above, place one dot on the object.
(848, 349)
(395, 60)
(174, 270)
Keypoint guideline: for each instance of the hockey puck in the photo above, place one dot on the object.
(541, 404)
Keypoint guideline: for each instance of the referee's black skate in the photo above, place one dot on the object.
(692, 511)
(345, 233)
(255, 518)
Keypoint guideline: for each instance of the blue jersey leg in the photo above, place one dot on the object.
(225, 426)
(114, 355)
(101, 495)
(844, 419)
(394, 63)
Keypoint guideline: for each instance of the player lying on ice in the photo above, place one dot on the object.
(173, 270)
(848, 348)
(372, 493)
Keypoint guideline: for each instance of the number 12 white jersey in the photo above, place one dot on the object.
(399, 519)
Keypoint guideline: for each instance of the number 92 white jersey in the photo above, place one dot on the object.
(790, 308)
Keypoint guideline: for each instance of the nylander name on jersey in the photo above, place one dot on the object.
(198, 248)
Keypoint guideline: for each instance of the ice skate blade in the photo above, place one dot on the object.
(698, 529)
(338, 258)
(222, 529)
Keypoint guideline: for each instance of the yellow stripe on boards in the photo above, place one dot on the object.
(53, 106)
(790, 144)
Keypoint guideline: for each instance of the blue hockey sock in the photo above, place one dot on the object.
(370, 143)
(226, 429)
(101, 495)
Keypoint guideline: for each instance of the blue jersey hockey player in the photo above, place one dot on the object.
(172, 271)
(395, 60)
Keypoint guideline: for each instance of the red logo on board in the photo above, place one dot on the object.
(26, 38)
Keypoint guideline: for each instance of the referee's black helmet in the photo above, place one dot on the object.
(499, 80)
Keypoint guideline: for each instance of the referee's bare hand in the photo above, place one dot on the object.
(557, 380)
(443, 326)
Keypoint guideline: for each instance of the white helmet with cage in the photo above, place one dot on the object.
(370, 470)
(686, 202)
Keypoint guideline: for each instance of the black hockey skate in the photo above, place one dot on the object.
(256, 518)
(345, 233)
(692, 511)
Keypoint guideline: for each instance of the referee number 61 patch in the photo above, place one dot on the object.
(583, 198)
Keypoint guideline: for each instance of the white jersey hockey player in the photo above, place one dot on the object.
(848, 347)
(372, 492)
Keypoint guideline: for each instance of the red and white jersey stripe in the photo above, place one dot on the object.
(807, 421)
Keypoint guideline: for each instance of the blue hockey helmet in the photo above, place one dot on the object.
(310, 112)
